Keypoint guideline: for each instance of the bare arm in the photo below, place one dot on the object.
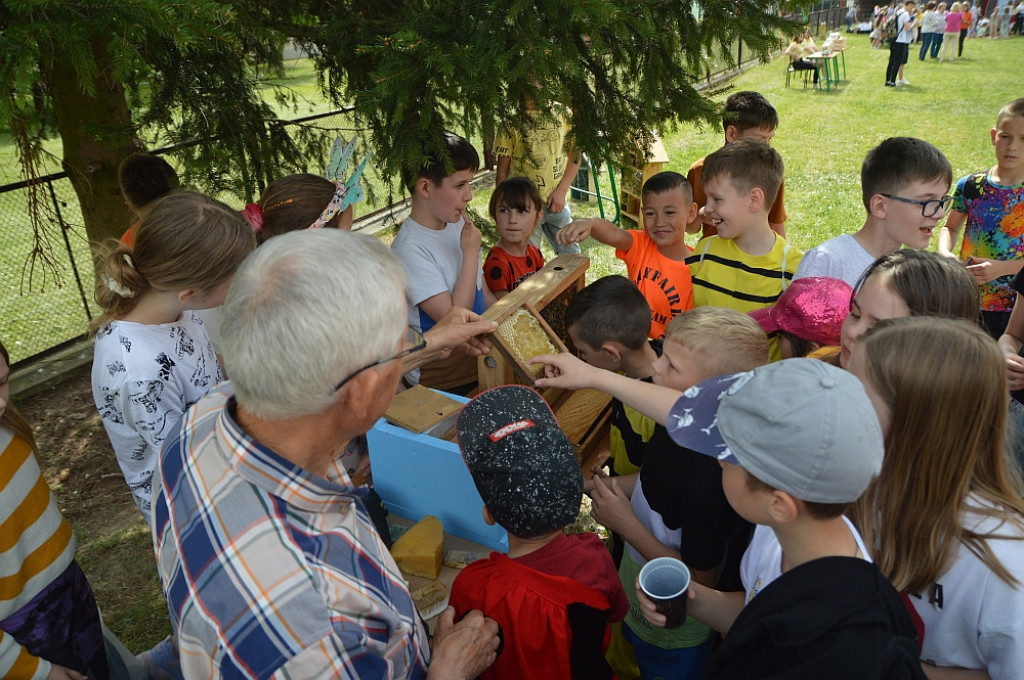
(1011, 342)
(944, 673)
(556, 201)
(709, 606)
(601, 230)
(465, 286)
(490, 297)
(949, 235)
(568, 372)
(501, 169)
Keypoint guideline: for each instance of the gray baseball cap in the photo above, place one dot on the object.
(800, 425)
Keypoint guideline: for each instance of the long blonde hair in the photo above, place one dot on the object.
(12, 418)
(945, 382)
(186, 240)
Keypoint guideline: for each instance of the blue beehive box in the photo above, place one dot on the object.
(418, 475)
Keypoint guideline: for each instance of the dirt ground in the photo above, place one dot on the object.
(114, 544)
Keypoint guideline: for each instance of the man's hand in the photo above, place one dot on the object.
(563, 371)
(459, 328)
(463, 650)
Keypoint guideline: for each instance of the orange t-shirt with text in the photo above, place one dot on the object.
(665, 283)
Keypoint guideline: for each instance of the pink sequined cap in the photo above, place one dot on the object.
(812, 308)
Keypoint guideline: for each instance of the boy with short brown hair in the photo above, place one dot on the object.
(991, 204)
(904, 185)
(439, 247)
(744, 114)
(655, 256)
(746, 265)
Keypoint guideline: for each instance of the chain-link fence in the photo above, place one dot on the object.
(46, 295)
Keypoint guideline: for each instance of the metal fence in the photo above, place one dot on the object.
(43, 309)
(41, 318)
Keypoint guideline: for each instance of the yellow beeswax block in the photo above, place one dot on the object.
(420, 549)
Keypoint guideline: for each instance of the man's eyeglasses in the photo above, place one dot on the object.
(418, 345)
(929, 208)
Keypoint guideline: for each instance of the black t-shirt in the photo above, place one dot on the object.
(1018, 285)
(685, 488)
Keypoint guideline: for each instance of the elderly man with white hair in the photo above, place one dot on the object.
(270, 564)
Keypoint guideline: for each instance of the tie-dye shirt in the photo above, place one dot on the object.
(994, 230)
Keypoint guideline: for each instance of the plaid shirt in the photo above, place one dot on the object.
(270, 571)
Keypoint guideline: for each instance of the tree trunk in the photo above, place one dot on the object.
(97, 132)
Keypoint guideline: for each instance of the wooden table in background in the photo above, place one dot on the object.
(828, 68)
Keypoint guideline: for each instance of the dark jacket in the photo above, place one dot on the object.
(835, 618)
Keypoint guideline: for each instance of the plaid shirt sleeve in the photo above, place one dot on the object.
(270, 571)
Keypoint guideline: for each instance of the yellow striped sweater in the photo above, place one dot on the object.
(36, 546)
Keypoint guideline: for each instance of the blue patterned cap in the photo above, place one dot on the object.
(522, 463)
(800, 425)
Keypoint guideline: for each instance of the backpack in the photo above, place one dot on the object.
(891, 27)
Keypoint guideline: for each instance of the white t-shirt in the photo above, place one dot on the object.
(902, 19)
(972, 618)
(840, 258)
(762, 561)
(143, 378)
(432, 260)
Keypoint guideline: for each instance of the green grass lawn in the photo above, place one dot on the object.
(822, 137)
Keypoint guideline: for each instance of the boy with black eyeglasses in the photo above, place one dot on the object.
(991, 204)
(904, 186)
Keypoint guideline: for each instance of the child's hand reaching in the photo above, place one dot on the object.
(563, 371)
(574, 232)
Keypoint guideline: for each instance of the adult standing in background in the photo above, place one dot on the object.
(951, 32)
(965, 26)
(900, 47)
(932, 24)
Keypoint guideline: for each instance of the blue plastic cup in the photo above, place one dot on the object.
(665, 581)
